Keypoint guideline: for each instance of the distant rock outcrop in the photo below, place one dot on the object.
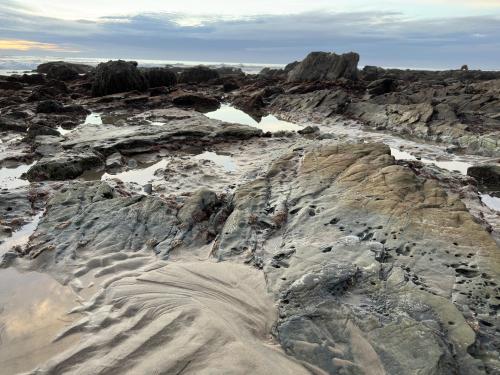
(198, 74)
(117, 76)
(79, 68)
(325, 66)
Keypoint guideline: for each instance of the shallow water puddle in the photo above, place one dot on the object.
(33, 310)
(224, 161)
(268, 123)
(450, 165)
(139, 176)
(10, 178)
(93, 119)
(146, 174)
(491, 201)
(21, 236)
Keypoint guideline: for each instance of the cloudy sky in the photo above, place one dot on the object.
(391, 33)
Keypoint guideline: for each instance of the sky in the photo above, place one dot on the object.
(432, 34)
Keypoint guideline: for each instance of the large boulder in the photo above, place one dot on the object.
(157, 77)
(79, 68)
(199, 102)
(50, 106)
(486, 174)
(198, 74)
(117, 76)
(64, 166)
(62, 72)
(325, 66)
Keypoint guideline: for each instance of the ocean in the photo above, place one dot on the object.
(21, 64)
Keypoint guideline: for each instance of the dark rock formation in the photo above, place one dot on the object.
(38, 129)
(62, 72)
(30, 79)
(13, 124)
(199, 102)
(488, 175)
(10, 85)
(325, 66)
(228, 71)
(198, 74)
(381, 86)
(65, 166)
(50, 106)
(157, 77)
(117, 76)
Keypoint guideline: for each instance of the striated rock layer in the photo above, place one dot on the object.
(375, 270)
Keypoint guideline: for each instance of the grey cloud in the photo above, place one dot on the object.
(387, 39)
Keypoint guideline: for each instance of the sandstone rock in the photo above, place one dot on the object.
(117, 76)
(337, 229)
(325, 66)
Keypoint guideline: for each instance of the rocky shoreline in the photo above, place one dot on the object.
(193, 239)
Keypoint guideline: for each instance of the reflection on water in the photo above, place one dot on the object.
(491, 201)
(146, 174)
(268, 123)
(21, 236)
(140, 175)
(10, 178)
(92, 119)
(224, 161)
(33, 310)
(450, 165)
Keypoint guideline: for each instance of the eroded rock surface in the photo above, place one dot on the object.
(375, 270)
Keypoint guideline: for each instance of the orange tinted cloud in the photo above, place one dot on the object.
(26, 45)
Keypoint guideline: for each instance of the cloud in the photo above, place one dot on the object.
(382, 38)
(27, 45)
